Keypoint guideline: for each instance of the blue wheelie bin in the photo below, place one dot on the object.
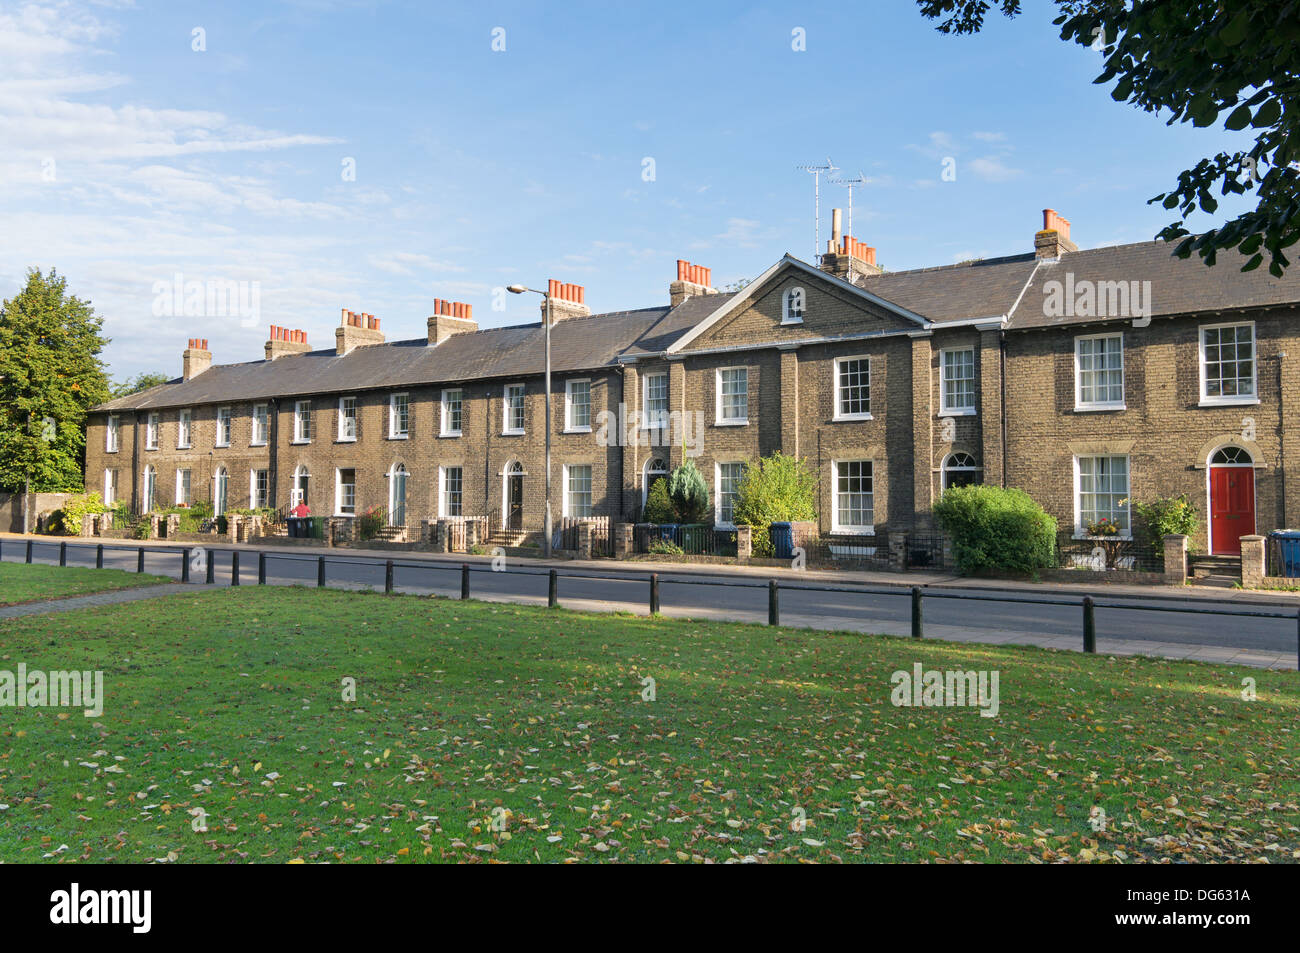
(782, 540)
(1289, 541)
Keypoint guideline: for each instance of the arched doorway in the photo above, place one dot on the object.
(301, 483)
(959, 469)
(656, 468)
(397, 495)
(220, 484)
(1231, 499)
(513, 497)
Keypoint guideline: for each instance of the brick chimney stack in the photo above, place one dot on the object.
(450, 317)
(846, 256)
(285, 341)
(356, 329)
(691, 280)
(1054, 239)
(196, 358)
(567, 301)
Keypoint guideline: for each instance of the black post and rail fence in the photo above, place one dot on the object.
(917, 594)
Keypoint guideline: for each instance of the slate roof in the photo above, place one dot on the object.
(986, 288)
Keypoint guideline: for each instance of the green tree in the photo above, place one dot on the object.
(776, 488)
(1198, 60)
(996, 529)
(689, 493)
(50, 375)
(133, 385)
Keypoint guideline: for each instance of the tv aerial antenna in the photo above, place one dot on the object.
(817, 171)
(848, 184)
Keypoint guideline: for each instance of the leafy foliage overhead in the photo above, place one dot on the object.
(134, 385)
(50, 375)
(1199, 60)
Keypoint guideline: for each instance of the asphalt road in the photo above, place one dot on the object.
(697, 593)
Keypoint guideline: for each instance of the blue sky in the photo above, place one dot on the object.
(128, 157)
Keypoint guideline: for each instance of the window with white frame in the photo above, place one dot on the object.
(223, 427)
(183, 487)
(261, 425)
(399, 416)
(259, 488)
(792, 306)
(960, 469)
(957, 380)
(728, 479)
(299, 495)
(111, 434)
(656, 401)
(110, 487)
(577, 490)
(1228, 364)
(151, 432)
(450, 499)
(185, 424)
(302, 421)
(345, 492)
(150, 488)
(1103, 490)
(397, 479)
(1099, 371)
(656, 468)
(347, 418)
(853, 388)
(854, 496)
(577, 405)
(513, 409)
(733, 395)
(451, 412)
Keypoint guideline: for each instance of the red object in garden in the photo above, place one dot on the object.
(301, 510)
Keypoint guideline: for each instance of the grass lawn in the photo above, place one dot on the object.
(20, 582)
(230, 701)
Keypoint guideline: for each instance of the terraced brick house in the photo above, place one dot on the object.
(1088, 378)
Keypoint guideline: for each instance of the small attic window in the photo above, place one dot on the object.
(792, 306)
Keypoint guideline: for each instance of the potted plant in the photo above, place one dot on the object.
(1106, 533)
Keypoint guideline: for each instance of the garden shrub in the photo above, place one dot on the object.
(997, 529)
(67, 519)
(664, 547)
(371, 522)
(658, 504)
(689, 494)
(775, 489)
(1165, 516)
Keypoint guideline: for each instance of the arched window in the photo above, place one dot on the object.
(792, 306)
(221, 482)
(301, 483)
(150, 488)
(960, 469)
(1230, 456)
(397, 495)
(656, 468)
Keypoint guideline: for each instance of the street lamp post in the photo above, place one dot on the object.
(546, 526)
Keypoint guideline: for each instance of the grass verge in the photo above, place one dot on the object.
(20, 582)
(481, 732)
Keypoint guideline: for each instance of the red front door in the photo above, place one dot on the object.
(1232, 508)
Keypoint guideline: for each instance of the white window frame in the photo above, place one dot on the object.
(1085, 405)
(945, 467)
(649, 417)
(838, 415)
(180, 499)
(444, 511)
(393, 472)
(445, 429)
(111, 433)
(506, 406)
(224, 422)
(184, 429)
(719, 420)
(297, 495)
(645, 476)
(265, 417)
(220, 491)
(944, 409)
(341, 436)
(837, 526)
(110, 486)
(149, 488)
(338, 491)
(1234, 400)
(787, 313)
(393, 400)
(152, 428)
(567, 508)
(252, 487)
(1081, 531)
(569, 425)
(718, 522)
(302, 415)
